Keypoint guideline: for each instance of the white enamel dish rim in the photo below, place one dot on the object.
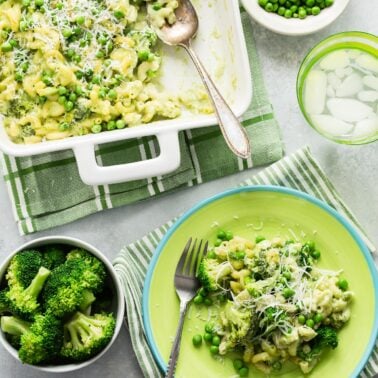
(166, 131)
(294, 26)
(119, 307)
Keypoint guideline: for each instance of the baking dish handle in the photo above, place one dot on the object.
(93, 174)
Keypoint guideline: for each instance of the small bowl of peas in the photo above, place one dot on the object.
(295, 17)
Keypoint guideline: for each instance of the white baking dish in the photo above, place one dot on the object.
(221, 45)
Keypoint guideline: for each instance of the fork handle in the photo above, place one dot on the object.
(177, 342)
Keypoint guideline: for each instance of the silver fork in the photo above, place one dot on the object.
(186, 285)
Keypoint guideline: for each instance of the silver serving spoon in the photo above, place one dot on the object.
(181, 34)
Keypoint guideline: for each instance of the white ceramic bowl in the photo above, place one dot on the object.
(294, 26)
(118, 305)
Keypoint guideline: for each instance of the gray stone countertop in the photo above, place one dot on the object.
(353, 170)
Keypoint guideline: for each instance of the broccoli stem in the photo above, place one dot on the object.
(14, 326)
(88, 299)
(36, 285)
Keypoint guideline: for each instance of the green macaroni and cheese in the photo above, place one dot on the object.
(75, 67)
(273, 304)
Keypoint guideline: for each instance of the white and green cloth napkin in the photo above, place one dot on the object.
(299, 171)
(47, 191)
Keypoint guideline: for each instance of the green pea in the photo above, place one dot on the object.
(318, 318)
(96, 79)
(63, 126)
(316, 254)
(212, 255)
(301, 319)
(38, 3)
(282, 2)
(238, 364)
(102, 40)
(198, 299)
(79, 91)
(100, 54)
(73, 97)
(24, 66)
(80, 20)
(216, 340)
(25, 3)
(310, 323)
(262, 3)
(218, 242)
(70, 53)
(120, 124)
(343, 284)
(328, 3)
(229, 235)
(112, 94)
(18, 76)
(244, 371)
(62, 100)
(281, 11)
(67, 33)
(68, 106)
(221, 235)
(287, 292)
(310, 3)
(76, 58)
(111, 126)
(207, 336)
(119, 14)
(259, 239)
(6, 47)
(277, 365)
(287, 275)
(315, 11)
(143, 55)
(203, 292)
(157, 7)
(293, 8)
(62, 91)
(209, 327)
(302, 13)
(197, 340)
(23, 25)
(288, 13)
(269, 7)
(208, 301)
(59, 6)
(214, 349)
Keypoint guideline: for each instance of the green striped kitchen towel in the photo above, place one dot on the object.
(299, 171)
(47, 191)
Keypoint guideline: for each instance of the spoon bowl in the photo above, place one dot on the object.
(181, 33)
(185, 27)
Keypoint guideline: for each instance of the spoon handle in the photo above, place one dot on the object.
(232, 130)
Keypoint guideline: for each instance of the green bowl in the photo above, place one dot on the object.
(348, 40)
(269, 211)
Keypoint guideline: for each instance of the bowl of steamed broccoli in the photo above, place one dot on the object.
(61, 304)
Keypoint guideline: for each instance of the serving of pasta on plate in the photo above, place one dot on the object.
(80, 66)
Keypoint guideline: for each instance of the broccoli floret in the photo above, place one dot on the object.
(24, 301)
(144, 39)
(237, 322)
(43, 341)
(23, 267)
(85, 336)
(5, 306)
(211, 272)
(53, 257)
(93, 271)
(40, 341)
(72, 285)
(326, 338)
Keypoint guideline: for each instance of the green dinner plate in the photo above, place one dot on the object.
(269, 211)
